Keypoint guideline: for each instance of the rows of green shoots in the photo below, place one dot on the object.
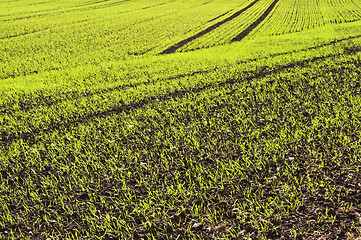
(103, 137)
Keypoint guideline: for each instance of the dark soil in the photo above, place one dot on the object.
(174, 48)
(249, 29)
(8, 139)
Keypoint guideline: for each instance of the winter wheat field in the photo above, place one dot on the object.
(180, 119)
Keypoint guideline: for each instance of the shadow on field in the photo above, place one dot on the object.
(7, 139)
(34, 102)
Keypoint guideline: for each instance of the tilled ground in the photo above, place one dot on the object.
(273, 155)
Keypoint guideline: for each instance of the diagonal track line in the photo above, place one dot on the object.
(6, 140)
(245, 32)
(174, 48)
(73, 95)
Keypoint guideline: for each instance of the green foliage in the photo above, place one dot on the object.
(103, 137)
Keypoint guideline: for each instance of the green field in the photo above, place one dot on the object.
(180, 119)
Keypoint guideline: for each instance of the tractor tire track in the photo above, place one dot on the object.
(180, 44)
(24, 34)
(73, 95)
(79, 9)
(30, 137)
(219, 16)
(45, 29)
(48, 101)
(245, 32)
(35, 13)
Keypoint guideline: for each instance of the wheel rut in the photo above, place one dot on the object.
(219, 16)
(245, 32)
(78, 9)
(46, 29)
(30, 137)
(180, 44)
(49, 100)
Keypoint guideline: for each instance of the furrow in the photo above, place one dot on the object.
(245, 32)
(180, 44)
(70, 10)
(219, 16)
(45, 29)
(30, 136)
(73, 95)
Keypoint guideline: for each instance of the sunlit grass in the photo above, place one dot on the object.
(255, 139)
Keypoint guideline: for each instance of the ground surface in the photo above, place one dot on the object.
(180, 119)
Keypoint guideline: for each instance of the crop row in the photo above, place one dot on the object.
(25, 10)
(231, 159)
(36, 44)
(299, 16)
(229, 30)
(78, 39)
(21, 108)
(50, 88)
(258, 139)
(209, 29)
(294, 16)
(36, 116)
